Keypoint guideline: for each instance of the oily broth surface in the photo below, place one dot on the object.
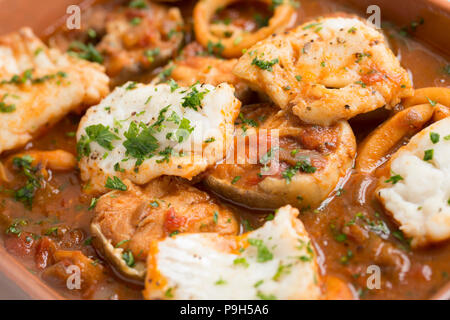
(405, 274)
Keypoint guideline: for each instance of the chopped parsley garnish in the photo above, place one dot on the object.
(88, 241)
(270, 217)
(93, 203)
(194, 99)
(362, 84)
(241, 262)
(86, 52)
(260, 20)
(266, 158)
(446, 69)
(118, 168)
(173, 85)
(302, 165)
(135, 21)
(447, 138)
(71, 134)
(157, 125)
(246, 225)
(428, 155)
(282, 269)
(92, 33)
(216, 217)
(38, 51)
(26, 193)
(299, 78)
(432, 102)
(220, 282)
(265, 65)
(140, 143)
(165, 154)
(128, 257)
(434, 137)
(27, 75)
(341, 237)
(163, 75)
(235, 179)
(174, 233)
(394, 179)
(250, 122)
(121, 243)
(263, 253)
(151, 54)
(405, 243)
(169, 293)
(264, 296)
(215, 48)
(51, 231)
(7, 108)
(115, 184)
(98, 133)
(101, 134)
(15, 229)
(132, 85)
(184, 130)
(138, 4)
(360, 56)
(209, 140)
(311, 25)
(154, 204)
(174, 117)
(346, 258)
(276, 3)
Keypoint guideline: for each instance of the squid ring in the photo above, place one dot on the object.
(373, 150)
(241, 181)
(428, 95)
(233, 46)
(59, 160)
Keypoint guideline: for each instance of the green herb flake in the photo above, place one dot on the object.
(263, 253)
(138, 4)
(194, 99)
(235, 179)
(93, 203)
(241, 262)
(118, 245)
(432, 102)
(128, 257)
(86, 52)
(264, 65)
(434, 137)
(220, 282)
(115, 184)
(394, 179)
(428, 155)
(135, 21)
